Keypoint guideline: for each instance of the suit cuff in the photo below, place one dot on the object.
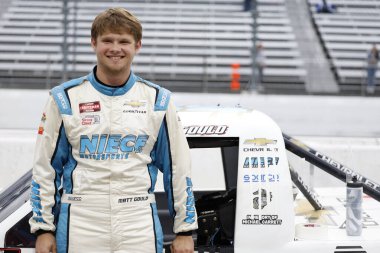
(40, 232)
(187, 233)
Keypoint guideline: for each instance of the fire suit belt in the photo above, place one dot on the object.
(101, 200)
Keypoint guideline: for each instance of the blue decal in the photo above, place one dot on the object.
(190, 209)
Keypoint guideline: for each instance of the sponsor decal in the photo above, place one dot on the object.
(135, 199)
(62, 100)
(260, 149)
(260, 162)
(90, 120)
(260, 141)
(265, 219)
(263, 178)
(135, 103)
(89, 107)
(43, 118)
(206, 130)
(111, 146)
(41, 130)
(190, 203)
(135, 106)
(264, 198)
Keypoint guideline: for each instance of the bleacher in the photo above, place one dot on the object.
(347, 35)
(284, 66)
(187, 45)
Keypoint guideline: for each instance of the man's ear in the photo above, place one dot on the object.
(93, 43)
(138, 46)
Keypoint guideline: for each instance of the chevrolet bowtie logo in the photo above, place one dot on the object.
(135, 103)
(260, 141)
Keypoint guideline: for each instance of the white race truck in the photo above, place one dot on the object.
(246, 200)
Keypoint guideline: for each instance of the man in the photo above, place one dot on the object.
(102, 139)
(372, 62)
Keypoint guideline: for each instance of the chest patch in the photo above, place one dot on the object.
(89, 107)
(135, 106)
(90, 120)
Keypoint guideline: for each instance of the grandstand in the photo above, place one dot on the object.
(187, 44)
(190, 45)
(347, 35)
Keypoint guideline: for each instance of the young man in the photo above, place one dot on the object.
(102, 139)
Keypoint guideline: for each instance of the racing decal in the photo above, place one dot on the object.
(89, 107)
(264, 219)
(41, 130)
(262, 178)
(349, 249)
(135, 106)
(260, 141)
(90, 120)
(206, 130)
(43, 118)
(346, 170)
(110, 146)
(261, 200)
(190, 203)
(260, 162)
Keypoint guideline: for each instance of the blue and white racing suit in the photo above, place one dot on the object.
(104, 146)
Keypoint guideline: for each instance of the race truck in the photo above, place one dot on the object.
(248, 197)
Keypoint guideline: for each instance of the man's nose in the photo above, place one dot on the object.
(115, 46)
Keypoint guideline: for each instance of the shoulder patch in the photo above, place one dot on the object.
(163, 99)
(162, 96)
(60, 96)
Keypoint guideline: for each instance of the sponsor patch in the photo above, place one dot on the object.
(89, 107)
(111, 146)
(90, 120)
(135, 106)
(40, 130)
(78, 199)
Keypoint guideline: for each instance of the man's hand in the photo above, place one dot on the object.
(182, 244)
(46, 243)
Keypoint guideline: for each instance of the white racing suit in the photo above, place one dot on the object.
(104, 146)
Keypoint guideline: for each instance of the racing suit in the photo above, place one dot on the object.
(104, 146)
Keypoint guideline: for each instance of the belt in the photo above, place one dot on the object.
(102, 200)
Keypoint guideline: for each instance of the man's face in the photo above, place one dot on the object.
(115, 52)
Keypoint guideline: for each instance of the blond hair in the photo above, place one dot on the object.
(116, 20)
